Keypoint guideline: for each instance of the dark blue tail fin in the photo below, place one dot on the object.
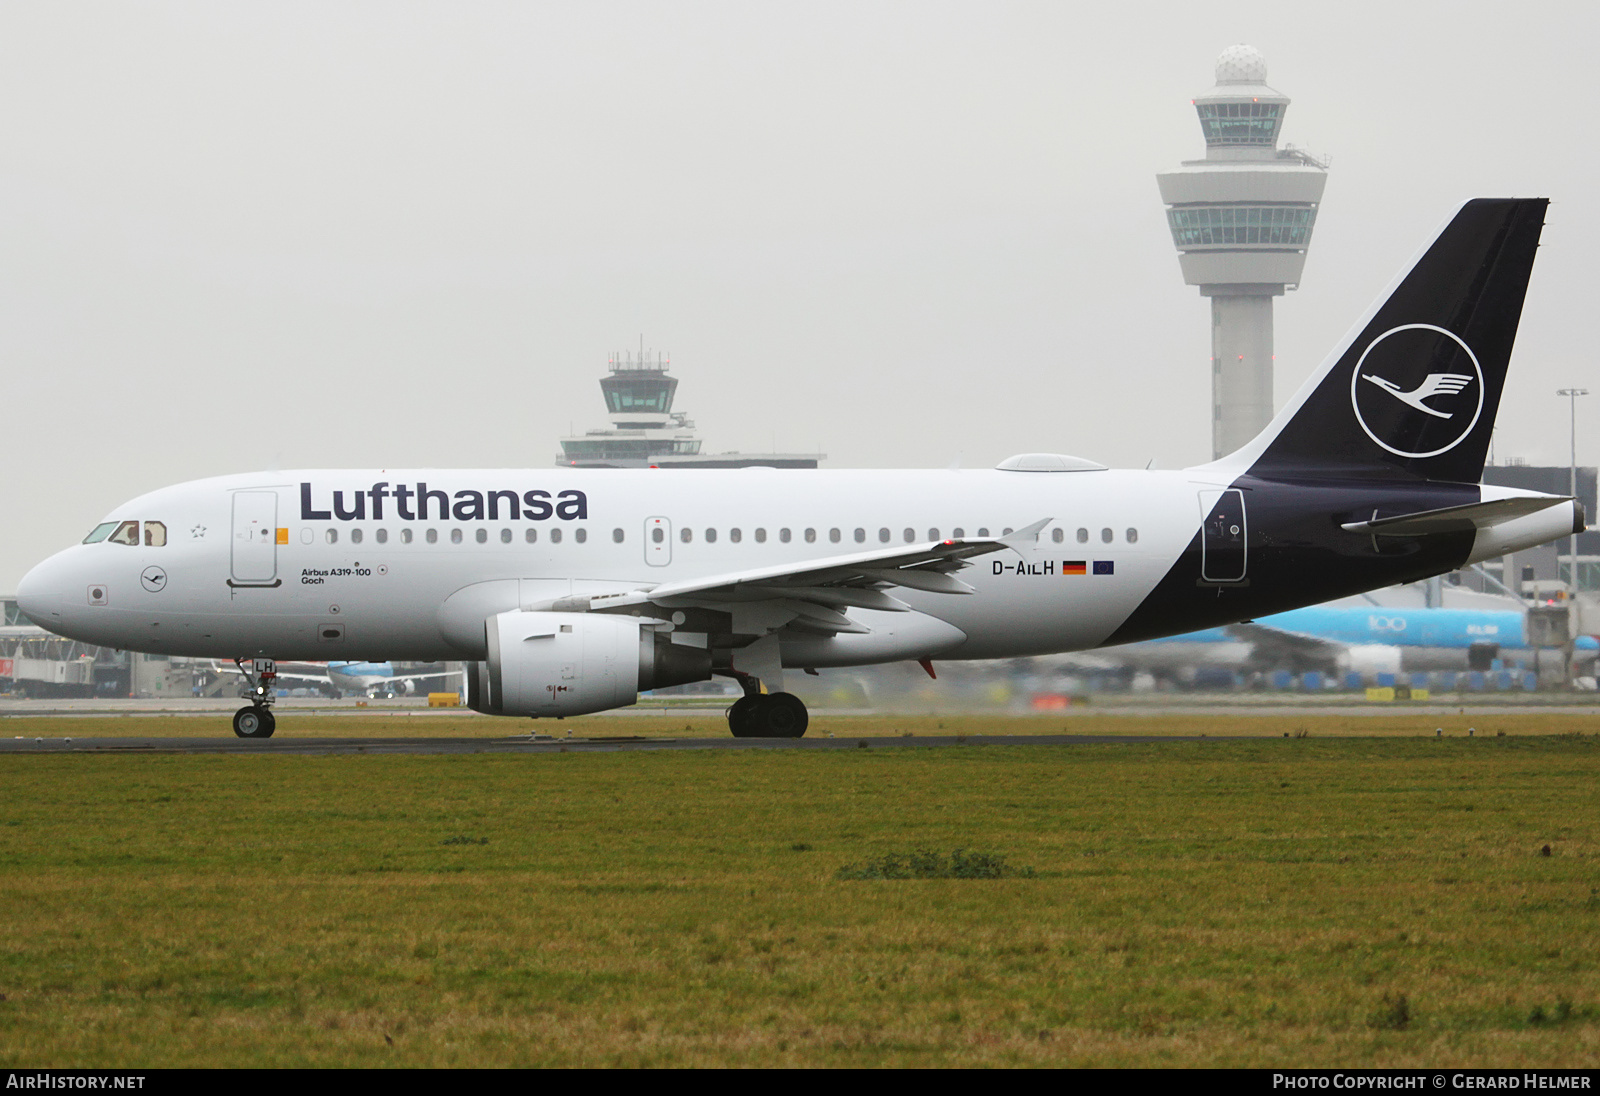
(1413, 391)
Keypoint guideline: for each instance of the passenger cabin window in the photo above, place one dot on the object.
(155, 534)
(761, 536)
(127, 533)
(1106, 535)
(616, 536)
(531, 536)
(983, 530)
(1133, 536)
(100, 532)
(332, 536)
(581, 534)
(833, 535)
(933, 534)
(482, 536)
(555, 536)
(686, 534)
(405, 536)
(1083, 536)
(433, 536)
(735, 536)
(910, 535)
(505, 536)
(711, 536)
(1058, 534)
(861, 536)
(383, 536)
(958, 532)
(355, 536)
(455, 536)
(883, 536)
(811, 536)
(783, 535)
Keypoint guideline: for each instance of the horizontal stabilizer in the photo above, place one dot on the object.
(1456, 519)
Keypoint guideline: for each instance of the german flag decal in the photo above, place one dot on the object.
(1074, 567)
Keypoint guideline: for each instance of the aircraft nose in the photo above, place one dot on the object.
(42, 593)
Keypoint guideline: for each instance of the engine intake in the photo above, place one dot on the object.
(575, 663)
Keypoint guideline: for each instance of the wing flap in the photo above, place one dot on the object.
(1271, 646)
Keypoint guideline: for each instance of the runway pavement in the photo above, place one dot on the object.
(523, 744)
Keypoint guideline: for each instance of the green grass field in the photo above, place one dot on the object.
(1303, 901)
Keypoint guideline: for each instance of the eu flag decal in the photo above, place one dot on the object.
(1104, 567)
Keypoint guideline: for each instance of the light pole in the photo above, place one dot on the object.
(1572, 395)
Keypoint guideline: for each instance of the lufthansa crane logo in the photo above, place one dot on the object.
(1417, 390)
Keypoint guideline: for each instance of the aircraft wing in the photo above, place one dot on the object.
(812, 594)
(1276, 647)
(422, 677)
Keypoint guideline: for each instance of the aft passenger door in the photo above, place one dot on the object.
(657, 541)
(1223, 538)
(255, 536)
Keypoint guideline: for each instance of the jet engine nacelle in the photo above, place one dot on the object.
(573, 663)
(1368, 659)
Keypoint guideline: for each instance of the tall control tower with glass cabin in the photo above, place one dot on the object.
(1241, 219)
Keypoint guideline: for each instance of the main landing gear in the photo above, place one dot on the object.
(766, 715)
(256, 720)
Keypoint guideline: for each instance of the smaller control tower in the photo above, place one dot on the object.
(1241, 219)
(648, 433)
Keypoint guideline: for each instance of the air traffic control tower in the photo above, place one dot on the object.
(1241, 219)
(649, 433)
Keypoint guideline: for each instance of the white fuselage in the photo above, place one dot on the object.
(376, 593)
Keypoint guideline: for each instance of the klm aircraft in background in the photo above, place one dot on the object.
(372, 679)
(1340, 640)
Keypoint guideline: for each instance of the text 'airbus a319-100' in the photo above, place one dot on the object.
(573, 591)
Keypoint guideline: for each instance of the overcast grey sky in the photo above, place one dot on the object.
(241, 236)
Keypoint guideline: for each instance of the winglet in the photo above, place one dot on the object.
(1015, 540)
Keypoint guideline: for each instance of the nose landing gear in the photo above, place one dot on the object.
(256, 720)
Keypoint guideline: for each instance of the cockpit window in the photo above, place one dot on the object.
(155, 534)
(100, 532)
(127, 533)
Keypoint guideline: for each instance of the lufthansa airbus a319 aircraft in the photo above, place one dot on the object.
(571, 591)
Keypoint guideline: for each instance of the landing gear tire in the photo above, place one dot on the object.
(253, 722)
(742, 717)
(786, 716)
(776, 715)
